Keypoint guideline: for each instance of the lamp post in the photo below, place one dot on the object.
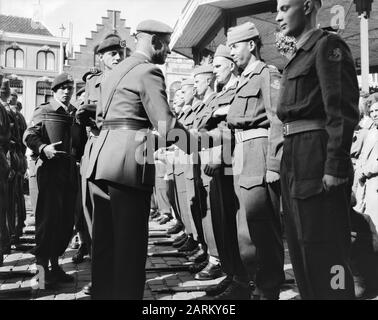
(363, 8)
(61, 54)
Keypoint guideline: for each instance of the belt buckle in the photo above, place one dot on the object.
(285, 129)
(238, 136)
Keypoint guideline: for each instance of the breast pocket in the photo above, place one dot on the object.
(248, 99)
(300, 81)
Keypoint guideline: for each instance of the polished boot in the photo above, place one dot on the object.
(88, 289)
(189, 245)
(195, 268)
(220, 287)
(211, 272)
(179, 241)
(176, 228)
(235, 291)
(198, 257)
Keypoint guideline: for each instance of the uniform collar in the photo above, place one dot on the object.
(310, 38)
(141, 55)
(253, 67)
(313, 37)
(55, 104)
(232, 83)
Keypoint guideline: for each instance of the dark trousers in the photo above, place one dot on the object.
(223, 210)
(55, 211)
(120, 238)
(317, 223)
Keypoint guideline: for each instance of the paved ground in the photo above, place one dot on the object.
(16, 280)
(15, 283)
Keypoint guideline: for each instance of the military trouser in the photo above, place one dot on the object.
(258, 221)
(194, 204)
(317, 222)
(204, 184)
(4, 232)
(55, 212)
(182, 201)
(120, 240)
(222, 197)
(162, 196)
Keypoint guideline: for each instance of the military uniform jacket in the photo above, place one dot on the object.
(140, 95)
(4, 142)
(4, 128)
(320, 82)
(255, 105)
(36, 137)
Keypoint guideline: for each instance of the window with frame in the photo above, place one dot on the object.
(14, 57)
(46, 60)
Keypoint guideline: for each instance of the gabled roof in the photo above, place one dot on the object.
(22, 25)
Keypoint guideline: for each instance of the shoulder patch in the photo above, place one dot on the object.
(335, 55)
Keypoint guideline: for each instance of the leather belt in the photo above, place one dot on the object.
(125, 124)
(246, 135)
(299, 126)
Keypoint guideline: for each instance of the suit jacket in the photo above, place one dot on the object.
(125, 156)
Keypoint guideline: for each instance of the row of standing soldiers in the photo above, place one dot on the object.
(13, 167)
(228, 191)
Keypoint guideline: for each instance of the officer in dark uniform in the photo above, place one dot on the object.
(257, 153)
(318, 105)
(56, 175)
(4, 174)
(133, 100)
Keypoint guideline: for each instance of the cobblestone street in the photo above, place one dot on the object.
(19, 266)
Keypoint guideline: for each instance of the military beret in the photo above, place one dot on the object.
(60, 80)
(92, 71)
(202, 69)
(223, 51)
(153, 26)
(5, 87)
(244, 32)
(112, 42)
(187, 82)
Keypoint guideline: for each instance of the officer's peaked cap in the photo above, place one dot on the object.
(244, 32)
(60, 80)
(153, 26)
(111, 42)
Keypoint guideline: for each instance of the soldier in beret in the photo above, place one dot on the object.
(133, 101)
(319, 108)
(5, 135)
(110, 53)
(258, 144)
(54, 143)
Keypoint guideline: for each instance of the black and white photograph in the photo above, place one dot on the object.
(211, 151)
